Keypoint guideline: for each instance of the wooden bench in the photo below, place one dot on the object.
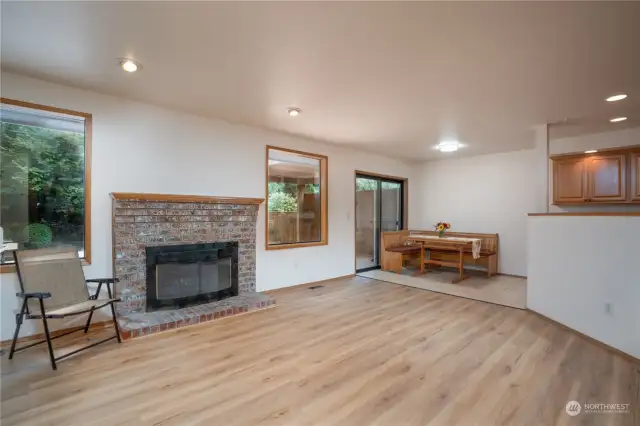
(488, 251)
(394, 252)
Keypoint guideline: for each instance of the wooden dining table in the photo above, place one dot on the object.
(447, 243)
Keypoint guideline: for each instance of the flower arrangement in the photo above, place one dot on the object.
(441, 227)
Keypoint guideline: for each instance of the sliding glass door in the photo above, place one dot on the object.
(379, 208)
(367, 222)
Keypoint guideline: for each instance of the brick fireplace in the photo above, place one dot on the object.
(164, 235)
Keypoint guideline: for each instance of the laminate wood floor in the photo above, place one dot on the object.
(501, 289)
(356, 352)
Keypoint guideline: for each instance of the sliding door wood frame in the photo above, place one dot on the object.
(405, 205)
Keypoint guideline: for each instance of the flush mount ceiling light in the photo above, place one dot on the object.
(617, 119)
(294, 112)
(129, 65)
(617, 97)
(448, 146)
(591, 151)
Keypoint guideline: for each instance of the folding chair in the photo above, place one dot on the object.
(53, 285)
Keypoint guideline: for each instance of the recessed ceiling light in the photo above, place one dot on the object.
(617, 119)
(591, 151)
(448, 146)
(294, 112)
(129, 65)
(618, 97)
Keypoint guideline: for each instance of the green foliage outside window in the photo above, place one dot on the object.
(41, 185)
(363, 184)
(283, 196)
(282, 202)
(38, 235)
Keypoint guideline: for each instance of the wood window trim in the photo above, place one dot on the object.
(324, 196)
(88, 128)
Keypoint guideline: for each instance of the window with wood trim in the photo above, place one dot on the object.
(45, 161)
(296, 199)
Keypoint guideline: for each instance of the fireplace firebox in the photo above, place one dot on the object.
(184, 275)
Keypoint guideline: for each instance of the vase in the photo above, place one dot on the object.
(441, 234)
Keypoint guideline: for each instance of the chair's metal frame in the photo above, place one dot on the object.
(24, 313)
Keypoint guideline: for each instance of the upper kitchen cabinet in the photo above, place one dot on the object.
(569, 181)
(607, 177)
(635, 176)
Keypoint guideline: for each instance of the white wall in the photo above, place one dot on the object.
(604, 140)
(540, 156)
(494, 193)
(143, 148)
(488, 193)
(579, 264)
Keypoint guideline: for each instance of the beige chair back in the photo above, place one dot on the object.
(55, 270)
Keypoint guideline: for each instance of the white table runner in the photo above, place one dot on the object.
(476, 243)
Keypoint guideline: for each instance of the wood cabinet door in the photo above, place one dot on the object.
(569, 181)
(607, 178)
(635, 176)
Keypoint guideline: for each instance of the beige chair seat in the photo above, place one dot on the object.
(79, 307)
(53, 285)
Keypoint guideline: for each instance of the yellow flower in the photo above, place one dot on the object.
(441, 228)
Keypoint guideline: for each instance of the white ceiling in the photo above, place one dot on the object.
(390, 77)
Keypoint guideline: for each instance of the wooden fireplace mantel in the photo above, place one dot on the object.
(178, 198)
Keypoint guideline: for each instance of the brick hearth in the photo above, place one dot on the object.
(142, 220)
(142, 324)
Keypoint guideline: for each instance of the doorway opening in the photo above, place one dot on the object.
(379, 207)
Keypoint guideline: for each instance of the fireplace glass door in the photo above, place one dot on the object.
(177, 280)
(184, 275)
